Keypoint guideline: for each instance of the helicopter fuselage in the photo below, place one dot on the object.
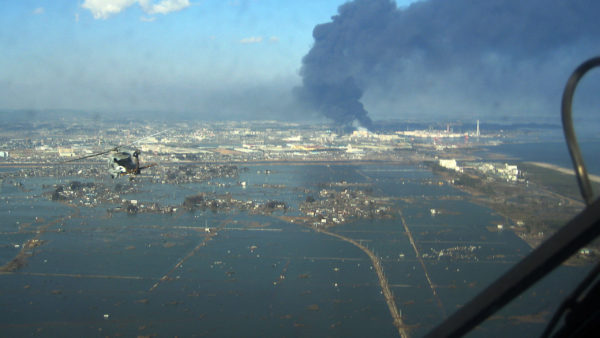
(123, 163)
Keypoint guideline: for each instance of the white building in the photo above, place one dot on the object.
(450, 164)
(65, 152)
(509, 172)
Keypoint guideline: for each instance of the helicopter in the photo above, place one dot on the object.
(121, 162)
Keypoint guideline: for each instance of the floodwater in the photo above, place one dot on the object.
(97, 273)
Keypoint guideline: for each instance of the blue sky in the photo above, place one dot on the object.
(188, 57)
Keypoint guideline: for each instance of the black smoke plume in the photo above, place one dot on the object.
(446, 56)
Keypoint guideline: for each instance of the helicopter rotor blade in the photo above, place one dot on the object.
(92, 155)
(116, 148)
(145, 137)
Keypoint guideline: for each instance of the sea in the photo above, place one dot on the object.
(553, 152)
(100, 273)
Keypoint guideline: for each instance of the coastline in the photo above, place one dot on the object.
(563, 170)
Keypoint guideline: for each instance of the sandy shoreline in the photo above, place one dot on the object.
(567, 171)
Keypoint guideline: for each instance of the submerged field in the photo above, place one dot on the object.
(88, 270)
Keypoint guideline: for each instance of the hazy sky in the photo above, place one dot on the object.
(206, 57)
(242, 58)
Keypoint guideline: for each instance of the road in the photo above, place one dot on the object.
(385, 288)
